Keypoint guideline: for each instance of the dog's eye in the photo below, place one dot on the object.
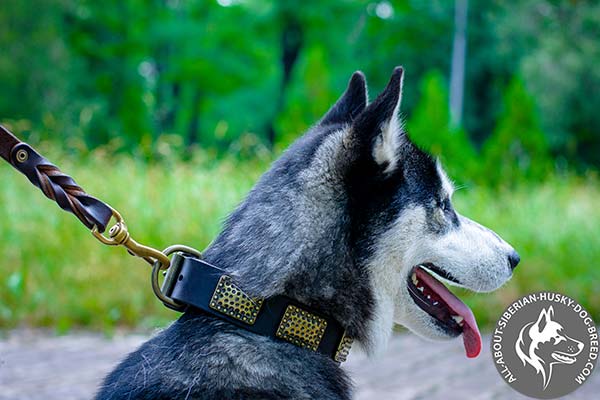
(445, 205)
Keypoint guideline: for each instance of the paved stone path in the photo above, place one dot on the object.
(36, 365)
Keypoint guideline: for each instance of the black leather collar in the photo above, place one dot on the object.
(196, 283)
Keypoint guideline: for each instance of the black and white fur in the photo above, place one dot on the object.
(337, 223)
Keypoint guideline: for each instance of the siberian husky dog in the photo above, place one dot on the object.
(354, 221)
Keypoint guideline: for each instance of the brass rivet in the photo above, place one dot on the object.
(230, 300)
(22, 156)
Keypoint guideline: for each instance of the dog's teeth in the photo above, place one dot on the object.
(421, 288)
(414, 279)
(429, 297)
(435, 303)
(458, 319)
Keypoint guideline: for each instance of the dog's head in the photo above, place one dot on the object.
(544, 343)
(357, 220)
(404, 200)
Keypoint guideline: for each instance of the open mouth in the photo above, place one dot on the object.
(563, 358)
(451, 314)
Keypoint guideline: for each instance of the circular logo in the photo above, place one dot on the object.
(545, 345)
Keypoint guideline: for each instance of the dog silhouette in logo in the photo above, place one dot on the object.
(543, 343)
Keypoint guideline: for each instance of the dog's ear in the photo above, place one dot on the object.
(350, 104)
(378, 129)
(544, 318)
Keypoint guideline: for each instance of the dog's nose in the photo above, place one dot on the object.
(513, 259)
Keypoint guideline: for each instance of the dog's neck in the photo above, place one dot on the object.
(291, 236)
(309, 265)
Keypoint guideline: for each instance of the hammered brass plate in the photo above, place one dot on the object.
(301, 328)
(344, 348)
(228, 299)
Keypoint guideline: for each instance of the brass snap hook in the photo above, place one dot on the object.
(118, 235)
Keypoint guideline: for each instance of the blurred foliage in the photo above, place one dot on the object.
(554, 45)
(127, 72)
(134, 88)
(517, 149)
(430, 129)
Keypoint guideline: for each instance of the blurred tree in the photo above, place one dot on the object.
(159, 64)
(414, 34)
(308, 58)
(33, 67)
(109, 42)
(431, 129)
(518, 149)
(457, 71)
(291, 38)
(214, 58)
(207, 72)
(553, 46)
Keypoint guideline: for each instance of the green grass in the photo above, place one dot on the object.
(54, 273)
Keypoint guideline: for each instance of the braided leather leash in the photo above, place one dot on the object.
(53, 182)
(93, 213)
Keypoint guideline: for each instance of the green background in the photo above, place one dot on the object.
(170, 110)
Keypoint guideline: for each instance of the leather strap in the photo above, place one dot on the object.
(194, 282)
(7, 142)
(53, 182)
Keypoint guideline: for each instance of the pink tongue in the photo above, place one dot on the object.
(471, 335)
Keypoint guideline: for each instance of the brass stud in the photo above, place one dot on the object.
(232, 301)
(301, 328)
(343, 348)
(22, 155)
